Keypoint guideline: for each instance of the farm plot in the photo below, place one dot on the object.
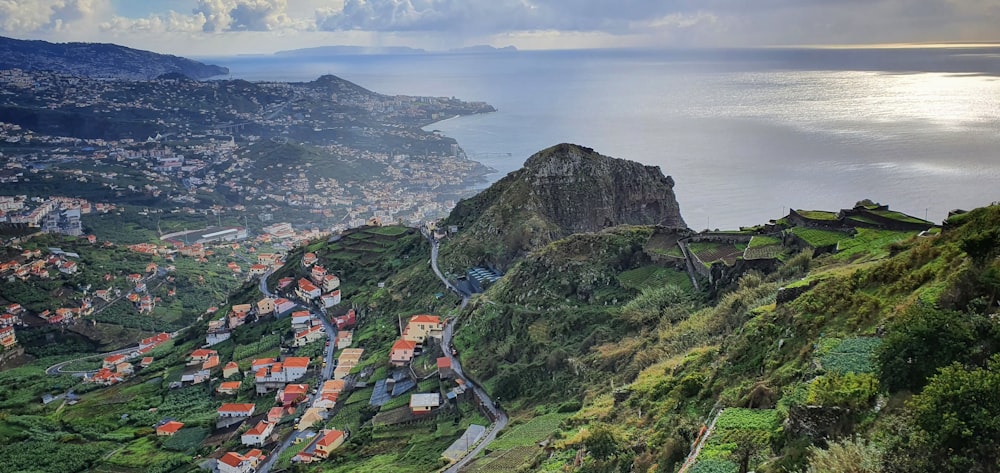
(505, 461)
(818, 238)
(738, 428)
(710, 252)
(529, 433)
(850, 355)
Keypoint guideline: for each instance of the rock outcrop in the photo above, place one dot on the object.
(560, 191)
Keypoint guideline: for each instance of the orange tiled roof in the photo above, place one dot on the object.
(170, 427)
(424, 318)
(329, 438)
(404, 345)
(297, 362)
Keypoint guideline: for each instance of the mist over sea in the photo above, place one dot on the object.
(744, 133)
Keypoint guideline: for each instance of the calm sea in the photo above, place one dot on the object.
(744, 133)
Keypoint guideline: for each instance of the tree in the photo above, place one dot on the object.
(954, 423)
(601, 442)
(919, 342)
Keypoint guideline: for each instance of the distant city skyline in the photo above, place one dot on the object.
(222, 27)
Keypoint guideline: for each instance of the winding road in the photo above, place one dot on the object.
(498, 414)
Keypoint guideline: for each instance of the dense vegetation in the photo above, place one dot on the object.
(894, 340)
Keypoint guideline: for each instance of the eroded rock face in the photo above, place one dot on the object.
(581, 190)
(560, 191)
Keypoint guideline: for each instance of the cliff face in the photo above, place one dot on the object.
(582, 191)
(560, 191)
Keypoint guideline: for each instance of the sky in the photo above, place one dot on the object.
(222, 27)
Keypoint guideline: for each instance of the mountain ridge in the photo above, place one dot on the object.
(100, 60)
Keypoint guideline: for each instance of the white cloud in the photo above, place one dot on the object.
(244, 15)
(261, 25)
(28, 16)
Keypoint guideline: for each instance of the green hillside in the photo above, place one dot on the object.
(892, 341)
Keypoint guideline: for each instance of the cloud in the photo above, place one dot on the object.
(243, 15)
(28, 16)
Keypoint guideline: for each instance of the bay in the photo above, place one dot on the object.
(746, 134)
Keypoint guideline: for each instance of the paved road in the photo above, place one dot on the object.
(58, 367)
(263, 283)
(326, 374)
(331, 336)
(500, 415)
(273, 456)
(456, 366)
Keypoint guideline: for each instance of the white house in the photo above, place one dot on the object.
(257, 435)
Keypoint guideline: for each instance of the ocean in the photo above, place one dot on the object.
(746, 134)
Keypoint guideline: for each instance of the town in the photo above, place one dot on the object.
(324, 154)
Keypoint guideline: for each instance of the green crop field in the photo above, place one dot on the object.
(817, 238)
(529, 433)
(870, 242)
(850, 355)
(817, 214)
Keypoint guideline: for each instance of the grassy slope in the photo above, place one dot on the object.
(742, 351)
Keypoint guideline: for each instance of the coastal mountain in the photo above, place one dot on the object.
(560, 191)
(99, 60)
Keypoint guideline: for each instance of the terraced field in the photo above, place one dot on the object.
(504, 461)
(710, 252)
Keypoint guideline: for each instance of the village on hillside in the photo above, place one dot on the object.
(303, 387)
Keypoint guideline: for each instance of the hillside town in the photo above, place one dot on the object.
(285, 149)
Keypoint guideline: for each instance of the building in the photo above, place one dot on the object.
(215, 234)
(309, 335)
(292, 394)
(229, 387)
(344, 339)
(257, 435)
(8, 339)
(277, 413)
(349, 358)
(301, 318)
(307, 290)
(111, 361)
(168, 428)
(421, 327)
(265, 306)
(317, 274)
(424, 403)
(330, 282)
(346, 321)
(309, 259)
(280, 230)
(444, 368)
(282, 306)
(257, 270)
(402, 352)
(154, 341)
(231, 369)
(295, 367)
(66, 222)
(236, 410)
(233, 462)
(331, 299)
(200, 356)
(329, 441)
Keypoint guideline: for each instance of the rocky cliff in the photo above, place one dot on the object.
(560, 191)
(98, 60)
